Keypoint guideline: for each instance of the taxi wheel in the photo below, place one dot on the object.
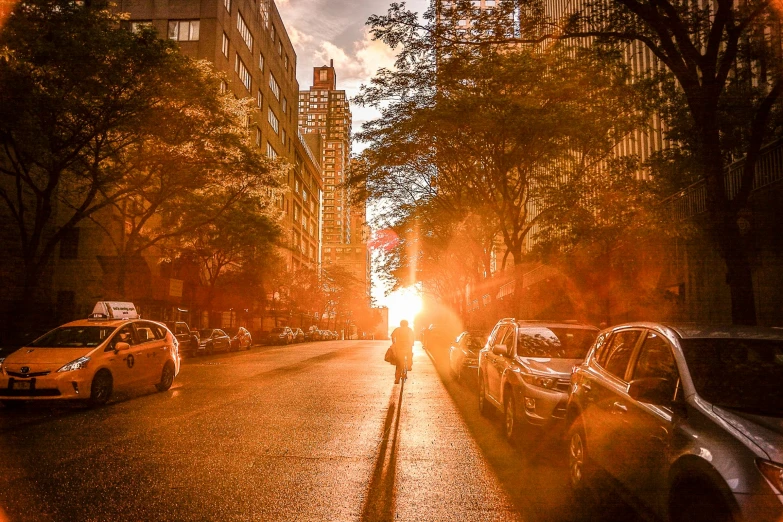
(101, 388)
(166, 378)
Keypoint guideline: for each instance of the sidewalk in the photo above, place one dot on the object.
(428, 465)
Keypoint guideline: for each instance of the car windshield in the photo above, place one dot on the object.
(475, 342)
(554, 343)
(74, 337)
(742, 374)
(205, 333)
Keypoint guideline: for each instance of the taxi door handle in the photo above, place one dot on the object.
(619, 407)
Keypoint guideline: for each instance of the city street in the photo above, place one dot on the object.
(316, 431)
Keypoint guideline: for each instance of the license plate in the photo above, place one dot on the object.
(21, 385)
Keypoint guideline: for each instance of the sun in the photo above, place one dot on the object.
(404, 303)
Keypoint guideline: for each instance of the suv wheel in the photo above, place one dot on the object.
(511, 425)
(482, 398)
(579, 468)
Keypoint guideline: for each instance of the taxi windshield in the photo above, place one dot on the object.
(554, 343)
(74, 337)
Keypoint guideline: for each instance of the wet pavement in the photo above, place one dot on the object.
(316, 431)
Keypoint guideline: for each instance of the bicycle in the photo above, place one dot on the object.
(404, 376)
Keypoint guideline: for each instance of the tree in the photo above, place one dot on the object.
(76, 93)
(239, 238)
(196, 164)
(496, 130)
(721, 80)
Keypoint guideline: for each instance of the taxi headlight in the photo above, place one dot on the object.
(78, 364)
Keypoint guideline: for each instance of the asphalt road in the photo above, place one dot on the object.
(316, 431)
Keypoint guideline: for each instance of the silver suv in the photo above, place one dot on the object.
(525, 371)
(689, 419)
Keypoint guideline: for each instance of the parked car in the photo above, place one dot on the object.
(90, 358)
(688, 419)
(188, 339)
(281, 335)
(214, 340)
(525, 371)
(299, 336)
(463, 354)
(240, 338)
(314, 334)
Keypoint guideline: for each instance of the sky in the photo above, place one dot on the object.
(321, 30)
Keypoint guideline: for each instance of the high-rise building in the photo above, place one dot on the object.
(325, 111)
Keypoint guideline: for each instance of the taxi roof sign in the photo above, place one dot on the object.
(114, 310)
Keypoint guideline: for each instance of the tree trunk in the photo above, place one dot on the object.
(725, 233)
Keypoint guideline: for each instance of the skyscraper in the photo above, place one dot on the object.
(325, 111)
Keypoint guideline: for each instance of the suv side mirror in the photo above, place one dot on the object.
(500, 349)
(652, 390)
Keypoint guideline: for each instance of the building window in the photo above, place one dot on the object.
(323, 75)
(285, 105)
(285, 61)
(263, 10)
(260, 99)
(223, 87)
(270, 151)
(244, 74)
(225, 45)
(227, 5)
(273, 121)
(272, 33)
(244, 32)
(69, 244)
(261, 62)
(280, 47)
(274, 86)
(258, 137)
(138, 26)
(184, 30)
(283, 136)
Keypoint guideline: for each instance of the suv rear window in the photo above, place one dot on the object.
(554, 343)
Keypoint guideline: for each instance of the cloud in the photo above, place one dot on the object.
(298, 38)
(361, 64)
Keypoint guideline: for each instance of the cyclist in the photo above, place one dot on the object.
(402, 340)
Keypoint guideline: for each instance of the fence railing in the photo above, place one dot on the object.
(692, 201)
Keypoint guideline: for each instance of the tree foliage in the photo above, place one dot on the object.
(94, 117)
(497, 134)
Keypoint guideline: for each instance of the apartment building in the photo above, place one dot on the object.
(247, 40)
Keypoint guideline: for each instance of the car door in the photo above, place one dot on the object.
(222, 341)
(497, 362)
(649, 428)
(122, 364)
(607, 402)
(153, 349)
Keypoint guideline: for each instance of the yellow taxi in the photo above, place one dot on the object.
(88, 359)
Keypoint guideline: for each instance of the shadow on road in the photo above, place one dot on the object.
(380, 503)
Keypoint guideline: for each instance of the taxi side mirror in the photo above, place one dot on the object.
(500, 349)
(121, 346)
